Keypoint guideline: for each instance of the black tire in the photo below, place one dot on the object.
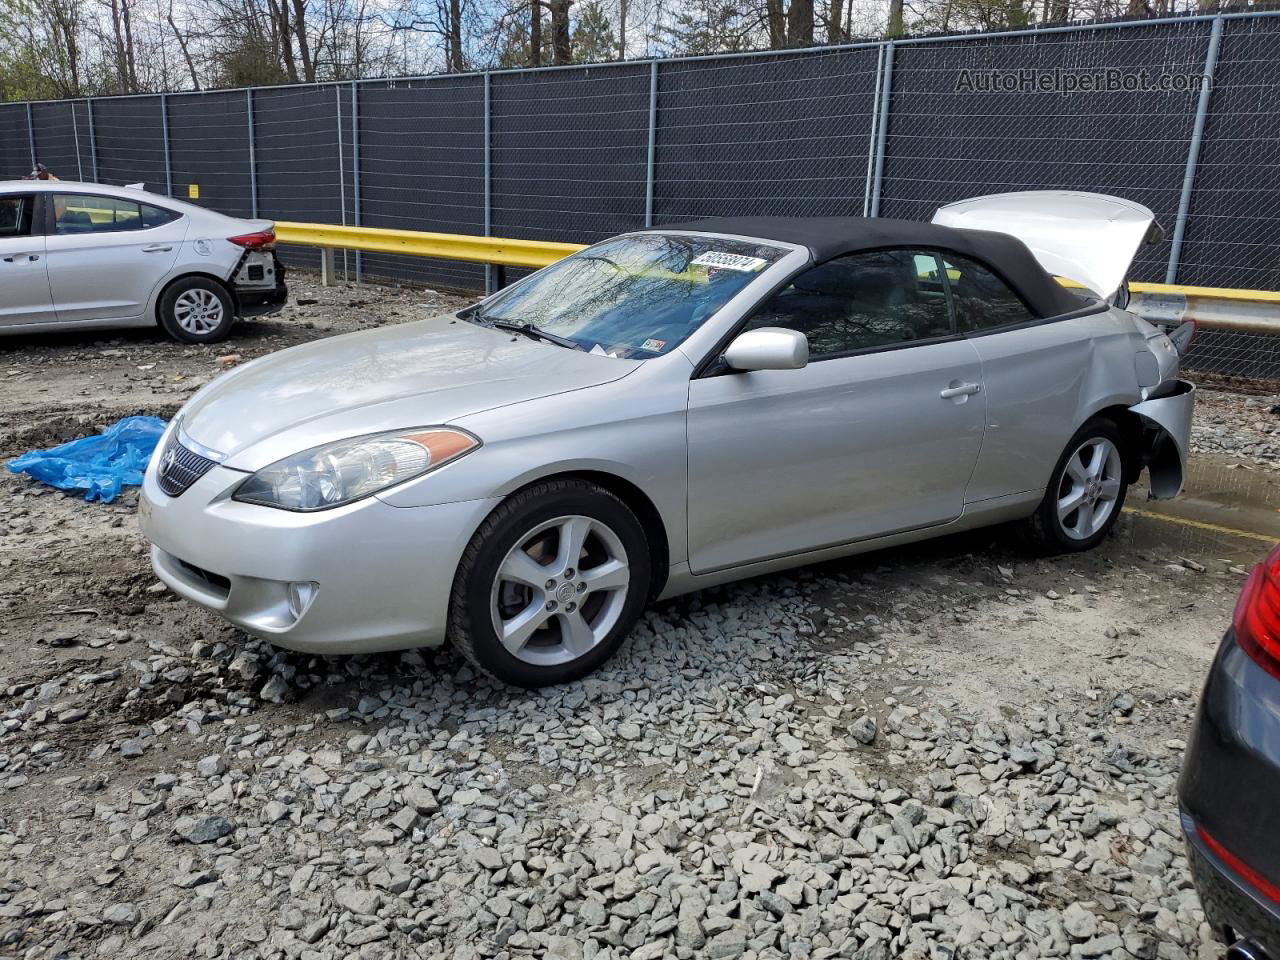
(477, 590)
(173, 310)
(1047, 533)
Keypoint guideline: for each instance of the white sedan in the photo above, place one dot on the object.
(85, 255)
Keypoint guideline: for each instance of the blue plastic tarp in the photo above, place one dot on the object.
(99, 465)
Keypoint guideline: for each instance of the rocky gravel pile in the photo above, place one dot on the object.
(767, 772)
(1238, 426)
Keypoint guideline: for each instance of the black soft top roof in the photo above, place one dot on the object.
(830, 237)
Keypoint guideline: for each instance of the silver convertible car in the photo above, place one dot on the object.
(667, 410)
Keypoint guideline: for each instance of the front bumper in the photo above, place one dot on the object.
(1229, 787)
(370, 576)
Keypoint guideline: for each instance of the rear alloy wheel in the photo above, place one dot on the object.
(551, 584)
(196, 310)
(1085, 495)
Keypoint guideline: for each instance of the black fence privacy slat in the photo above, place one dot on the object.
(209, 151)
(946, 142)
(1233, 233)
(422, 168)
(128, 137)
(580, 153)
(15, 143)
(781, 135)
(570, 146)
(300, 161)
(61, 132)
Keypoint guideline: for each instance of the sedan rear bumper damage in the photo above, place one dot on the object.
(1166, 438)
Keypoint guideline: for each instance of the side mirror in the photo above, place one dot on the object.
(768, 348)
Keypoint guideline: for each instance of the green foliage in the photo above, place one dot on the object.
(593, 36)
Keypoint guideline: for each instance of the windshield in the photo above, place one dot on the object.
(635, 296)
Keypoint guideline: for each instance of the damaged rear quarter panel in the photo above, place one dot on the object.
(1043, 382)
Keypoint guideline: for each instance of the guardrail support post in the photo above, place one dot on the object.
(882, 129)
(164, 132)
(355, 168)
(1193, 151)
(653, 142)
(31, 135)
(490, 275)
(327, 272)
(253, 160)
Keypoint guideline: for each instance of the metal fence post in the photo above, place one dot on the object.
(882, 129)
(490, 280)
(355, 168)
(653, 142)
(164, 131)
(1193, 151)
(31, 135)
(253, 157)
(342, 172)
(875, 126)
(93, 141)
(75, 132)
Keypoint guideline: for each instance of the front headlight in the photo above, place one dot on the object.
(348, 470)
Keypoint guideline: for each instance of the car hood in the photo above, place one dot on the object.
(1087, 238)
(408, 375)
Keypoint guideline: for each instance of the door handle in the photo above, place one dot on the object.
(960, 390)
(30, 256)
(157, 248)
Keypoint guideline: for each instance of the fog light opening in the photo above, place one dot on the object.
(300, 596)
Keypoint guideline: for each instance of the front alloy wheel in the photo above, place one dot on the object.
(551, 584)
(560, 591)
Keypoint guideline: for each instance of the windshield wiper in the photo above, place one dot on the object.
(531, 330)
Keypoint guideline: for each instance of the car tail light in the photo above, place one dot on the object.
(262, 240)
(1257, 615)
(1241, 869)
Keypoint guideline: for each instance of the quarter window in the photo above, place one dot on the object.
(78, 213)
(982, 300)
(15, 215)
(863, 301)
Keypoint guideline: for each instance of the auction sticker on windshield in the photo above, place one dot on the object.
(730, 261)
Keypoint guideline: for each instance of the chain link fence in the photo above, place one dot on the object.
(890, 128)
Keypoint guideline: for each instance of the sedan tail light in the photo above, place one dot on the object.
(261, 240)
(1257, 615)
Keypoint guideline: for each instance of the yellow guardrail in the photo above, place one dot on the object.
(1214, 308)
(444, 246)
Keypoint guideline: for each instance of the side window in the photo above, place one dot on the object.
(982, 300)
(76, 213)
(15, 215)
(156, 216)
(862, 301)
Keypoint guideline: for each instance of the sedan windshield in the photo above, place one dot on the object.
(634, 296)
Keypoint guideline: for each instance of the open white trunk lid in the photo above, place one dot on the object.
(1088, 238)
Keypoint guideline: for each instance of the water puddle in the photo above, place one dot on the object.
(1228, 512)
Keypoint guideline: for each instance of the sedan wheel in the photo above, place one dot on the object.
(198, 311)
(1089, 487)
(551, 584)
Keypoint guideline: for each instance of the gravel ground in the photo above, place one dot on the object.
(941, 751)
